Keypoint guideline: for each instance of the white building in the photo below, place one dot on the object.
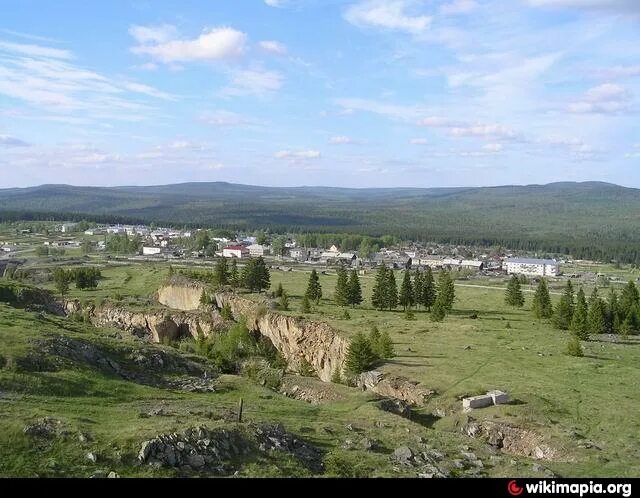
(472, 264)
(235, 252)
(67, 227)
(533, 267)
(151, 250)
(256, 250)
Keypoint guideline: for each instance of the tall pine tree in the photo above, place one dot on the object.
(513, 295)
(418, 282)
(221, 272)
(629, 302)
(613, 313)
(579, 324)
(563, 314)
(354, 291)
(541, 306)
(596, 318)
(446, 291)
(391, 291)
(340, 295)
(378, 292)
(428, 290)
(314, 289)
(406, 298)
(234, 275)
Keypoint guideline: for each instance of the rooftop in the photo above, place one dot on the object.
(532, 261)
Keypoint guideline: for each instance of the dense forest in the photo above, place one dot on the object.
(586, 220)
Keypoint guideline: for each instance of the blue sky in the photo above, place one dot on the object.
(356, 93)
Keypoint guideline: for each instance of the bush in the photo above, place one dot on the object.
(409, 314)
(226, 312)
(360, 355)
(258, 370)
(573, 347)
(345, 315)
(305, 369)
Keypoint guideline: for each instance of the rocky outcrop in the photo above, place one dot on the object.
(298, 340)
(512, 440)
(181, 294)
(158, 325)
(395, 387)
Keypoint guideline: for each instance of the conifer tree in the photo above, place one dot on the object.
(378, 293)
(596, 318)
(446, 291)
(221, 272)
(406, 297)
(613, 313)
(279, 290)
(354, 291)
(574, 348)
(385, 346)
(314, 289)
(360, 356)
(305, 307)
(438, 311)
(234, 275)
(629, 302)
(563, 314)
(340, 295)
(513, 295)
(391, 291)
(283, 302)
(579, 324)
(418, 284)
(255, 275)
(541, 306)
(374, 341)
(428, 290)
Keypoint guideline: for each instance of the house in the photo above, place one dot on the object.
(94, 231)
(533, 267)
(299, 253)
(236, 251)
(256, 250)
(451, 262)
(348, 258)
(151, 250)
(472, 264)
(432, 261)
(67, 227)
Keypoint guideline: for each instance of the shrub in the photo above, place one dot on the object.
(573, 347)
(305, 369)
(226, 312)
(360, 355)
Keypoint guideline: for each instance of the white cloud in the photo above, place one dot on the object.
(223, 118)
(437, 122)
(35, 50)
(212, 45)
(608, 98)
(298, 156)
(616, 72)
(147, 90)
(387, 14)
(493, 147)
(349, 105)
(273, 47)
(483, 131)
(258, 82)
(341, 140)
(458, 7)
(275, 3)
(9, 141)
(621, 5)
(153, 34)
(418, 141)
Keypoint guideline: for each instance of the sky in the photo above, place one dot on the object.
(348, 93)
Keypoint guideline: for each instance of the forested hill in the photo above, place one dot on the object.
(590, 220)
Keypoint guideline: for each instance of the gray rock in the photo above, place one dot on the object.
(113, 475)
(403, 454)
(196, 461)
(368, 444)
(92, 457)
(458, 464)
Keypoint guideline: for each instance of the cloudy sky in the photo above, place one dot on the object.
(319, 92)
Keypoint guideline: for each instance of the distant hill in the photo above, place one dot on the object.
(590, 219)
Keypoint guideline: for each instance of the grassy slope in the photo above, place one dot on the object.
(596, 396)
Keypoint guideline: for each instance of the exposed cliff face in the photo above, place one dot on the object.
(180, 295)
(296, 339)
(158, 325)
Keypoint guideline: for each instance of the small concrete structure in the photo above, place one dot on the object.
(494, 397)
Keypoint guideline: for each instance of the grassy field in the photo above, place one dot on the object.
(585, 406)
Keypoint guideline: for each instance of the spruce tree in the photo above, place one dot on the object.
(629, 302)
(340, 295)
(283, 302)
(279, 290)
(305, 307)
(596, 318)
(406, 297)
(391, 291)
(314, 289)
(418, 284)
(428, 290)
(541, 306)
(378, 293)
(513, 295)
(354, 291)
(446, 291)
(62, 279)
(360, 356)
(374, 341)
(385, 346)
(234, 275)
(255, 275)
(438, 311)
(613, 312)
(579, 324)
(221, 272)
(574, 347)
(563, 314)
